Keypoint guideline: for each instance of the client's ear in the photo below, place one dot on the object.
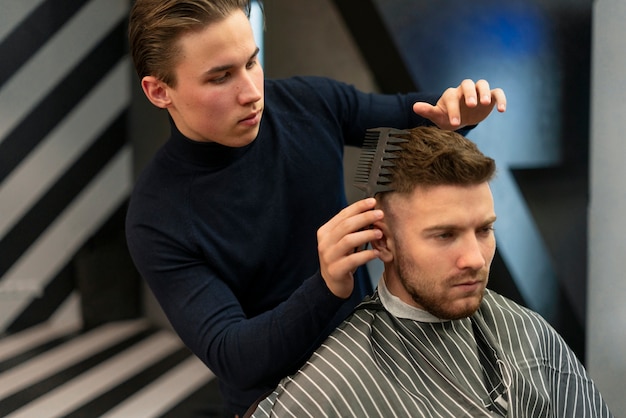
(385, 244)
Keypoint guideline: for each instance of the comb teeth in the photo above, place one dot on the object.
(378, 150)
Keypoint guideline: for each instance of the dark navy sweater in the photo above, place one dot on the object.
(226, 237)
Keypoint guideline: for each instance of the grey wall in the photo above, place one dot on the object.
(606, 329)
(310, 38)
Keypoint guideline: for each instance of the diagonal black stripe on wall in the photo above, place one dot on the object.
(32, 353)
(63, 98)
(55, 292)
(68, 280)
(501, 281)
(103, 403)
(33, 32)
(376, 45)
(52, 204)
(23, 397)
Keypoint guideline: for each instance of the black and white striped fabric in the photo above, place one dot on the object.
(125, 369)
(380, 365)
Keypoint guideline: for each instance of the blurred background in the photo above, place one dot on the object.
(75, 129)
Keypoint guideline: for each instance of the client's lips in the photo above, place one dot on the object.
(469, 285)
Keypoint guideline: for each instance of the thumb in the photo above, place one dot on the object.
(424, 109)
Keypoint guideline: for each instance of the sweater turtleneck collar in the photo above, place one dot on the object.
(206, 154)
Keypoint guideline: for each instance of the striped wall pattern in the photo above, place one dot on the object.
(65, 165)
(121, 369)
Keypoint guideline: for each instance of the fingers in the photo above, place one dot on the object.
(486, 95)
(348, 212)
(470, 92)
(467, 104)
(337, 240)
(450, 102)
(499, 97)
(427, 111)
(350, 228)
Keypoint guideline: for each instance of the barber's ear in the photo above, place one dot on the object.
(156, 91)
(384, 244)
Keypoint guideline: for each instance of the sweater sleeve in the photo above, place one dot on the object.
(363, 110)
(243, 349)
(358, 110)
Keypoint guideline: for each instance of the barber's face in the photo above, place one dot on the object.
(439, 247)
(218, 96)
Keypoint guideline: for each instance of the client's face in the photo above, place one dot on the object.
(442, 242)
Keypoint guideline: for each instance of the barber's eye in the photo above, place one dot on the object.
(221, 79)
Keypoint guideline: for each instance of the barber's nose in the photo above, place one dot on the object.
(248, 90)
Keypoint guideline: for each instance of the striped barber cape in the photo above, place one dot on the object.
(405, 364)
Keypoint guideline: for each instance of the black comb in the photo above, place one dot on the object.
(377, 154)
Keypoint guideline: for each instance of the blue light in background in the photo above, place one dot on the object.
(511, 45)
(257, 23)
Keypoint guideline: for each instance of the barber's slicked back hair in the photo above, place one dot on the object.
(435, 157)
(155, 26)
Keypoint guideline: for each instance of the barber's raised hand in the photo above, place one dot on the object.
(465, 105)
(337, 240)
